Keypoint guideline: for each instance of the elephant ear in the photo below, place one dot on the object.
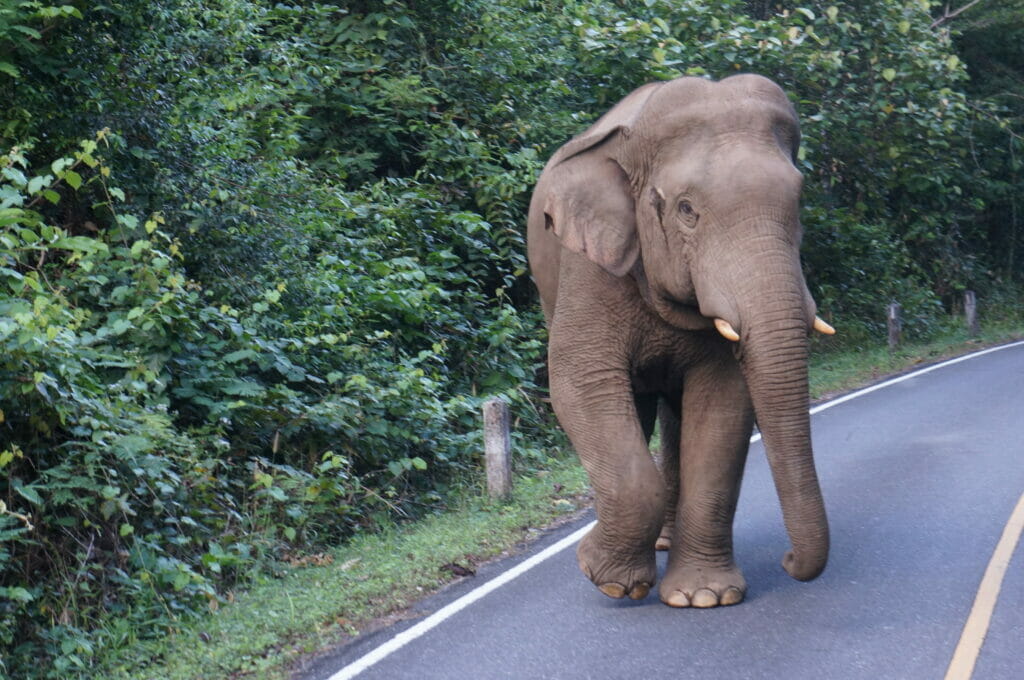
(589, 202)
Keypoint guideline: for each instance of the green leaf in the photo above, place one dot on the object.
(120, 326)
(29, 494)
(28, 30)
(239, 355)
(126, 529)
(37, 183)
(81, 244)
(73, 179)
(889, 74)
(9, 69)
(12, 216)
(107, 509)
(17, 594)
(242, 388)
(139, 246)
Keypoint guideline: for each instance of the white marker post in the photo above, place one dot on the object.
(895, 325)
(971, 313)
(497, 448)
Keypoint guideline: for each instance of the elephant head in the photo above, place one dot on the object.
(690, 188)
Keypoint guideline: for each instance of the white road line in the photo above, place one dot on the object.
(446, 612)
(438, 617)
(971, 640)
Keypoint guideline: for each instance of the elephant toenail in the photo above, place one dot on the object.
(639, 591)
(678, 599)
(732, 595)
(705, 598)
(612, 590)
(662, 543)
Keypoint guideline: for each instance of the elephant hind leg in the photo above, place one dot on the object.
(668, 428)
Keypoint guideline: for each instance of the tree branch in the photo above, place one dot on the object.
(947, 15)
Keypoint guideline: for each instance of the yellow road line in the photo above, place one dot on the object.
(966, 654)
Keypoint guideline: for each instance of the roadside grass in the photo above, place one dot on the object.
(833, 373)
(324, 600)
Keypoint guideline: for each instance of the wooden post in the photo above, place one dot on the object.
(895, 325)
(497, 448)
(971, 313)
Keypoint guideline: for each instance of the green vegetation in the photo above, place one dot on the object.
(260, 262)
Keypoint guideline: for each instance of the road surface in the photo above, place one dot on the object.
(922, 478)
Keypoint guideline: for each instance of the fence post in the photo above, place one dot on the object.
(895, 325)
(497, 448)
(971, 313)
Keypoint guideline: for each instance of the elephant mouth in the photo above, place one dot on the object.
(681, 314)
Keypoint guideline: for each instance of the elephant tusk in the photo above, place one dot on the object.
(726, 330)
(822, 327)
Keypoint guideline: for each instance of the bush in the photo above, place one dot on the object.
(165, 444)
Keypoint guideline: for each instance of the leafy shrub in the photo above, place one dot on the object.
(163, 445)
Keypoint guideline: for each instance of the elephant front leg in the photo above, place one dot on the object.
(715, 434)
(596, 409)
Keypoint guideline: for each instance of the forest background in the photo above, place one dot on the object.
(260, 262)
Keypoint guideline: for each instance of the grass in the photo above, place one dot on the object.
(833, 373)
(325, 600)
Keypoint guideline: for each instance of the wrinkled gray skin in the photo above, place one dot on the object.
(680, 206)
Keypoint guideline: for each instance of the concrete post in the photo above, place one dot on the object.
(497, 448)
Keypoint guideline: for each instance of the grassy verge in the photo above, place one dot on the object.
(833, 373)
(325, 600)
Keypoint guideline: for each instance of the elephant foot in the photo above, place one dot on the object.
(702, 587)
(664, 541)
(616, 572)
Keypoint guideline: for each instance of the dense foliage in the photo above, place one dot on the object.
(259, 262)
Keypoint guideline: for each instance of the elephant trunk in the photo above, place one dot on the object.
(773, 353)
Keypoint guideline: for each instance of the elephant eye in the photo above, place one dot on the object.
(688, 214)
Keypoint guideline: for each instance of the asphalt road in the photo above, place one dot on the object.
(920, 478)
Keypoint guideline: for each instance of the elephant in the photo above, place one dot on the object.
(664, 243)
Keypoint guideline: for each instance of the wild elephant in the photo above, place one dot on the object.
(664, 241)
